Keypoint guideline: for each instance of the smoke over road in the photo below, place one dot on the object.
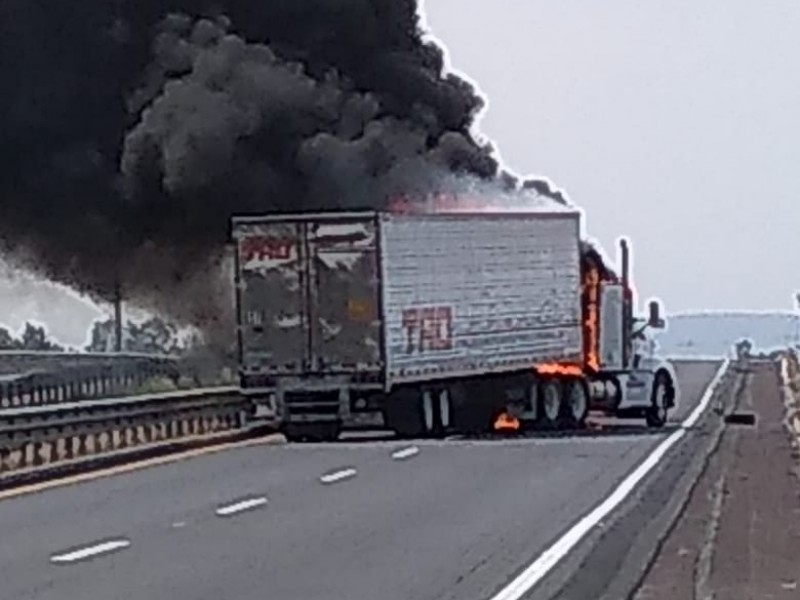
(132, 131)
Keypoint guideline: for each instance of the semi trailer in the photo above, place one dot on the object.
(431, 322)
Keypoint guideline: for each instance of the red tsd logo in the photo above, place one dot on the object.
(259, 248)
(428, 328)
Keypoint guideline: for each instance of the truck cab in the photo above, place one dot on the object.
(642, 383)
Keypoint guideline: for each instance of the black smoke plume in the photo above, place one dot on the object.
(131, 131)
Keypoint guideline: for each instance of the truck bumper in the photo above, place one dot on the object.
(326, 400)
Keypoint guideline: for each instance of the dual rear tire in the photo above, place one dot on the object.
(420, 413)
(561, 404)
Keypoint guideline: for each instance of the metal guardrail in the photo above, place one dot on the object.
(43, 435)
(17, 361)
(90, 355)
(41, 387)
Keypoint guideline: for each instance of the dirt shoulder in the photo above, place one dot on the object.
(739, 536)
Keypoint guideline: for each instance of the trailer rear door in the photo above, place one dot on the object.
(309, 294)
(272, 296)
(344, 295)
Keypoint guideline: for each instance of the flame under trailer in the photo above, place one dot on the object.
(432, 323)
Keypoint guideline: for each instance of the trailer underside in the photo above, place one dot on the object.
(549, 400)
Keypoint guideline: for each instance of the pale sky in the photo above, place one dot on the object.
(676, 123)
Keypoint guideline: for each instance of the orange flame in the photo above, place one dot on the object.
(506, 422)
(445, 203)
(558, 369)
(592, 286)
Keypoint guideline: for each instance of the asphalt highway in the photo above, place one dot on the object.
(356, 520)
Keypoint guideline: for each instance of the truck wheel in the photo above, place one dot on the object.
(445, 412)
(429, 410)
(415, 412)
(576, 405)
(436, 411)
(660, 399)
(550, 404)
(403, 413)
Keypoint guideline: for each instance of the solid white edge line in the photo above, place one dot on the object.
(88, 551)
(536, 571)
(232, 509)
(405, 453)
(707, 395)
(338, 475)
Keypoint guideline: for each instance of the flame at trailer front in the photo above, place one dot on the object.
(464, 195)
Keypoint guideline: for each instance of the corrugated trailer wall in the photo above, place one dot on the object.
(474, 293)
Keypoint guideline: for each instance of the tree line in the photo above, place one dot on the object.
(33, 338)
(152, 336)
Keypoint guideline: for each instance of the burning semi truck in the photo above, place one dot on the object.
(430, 322)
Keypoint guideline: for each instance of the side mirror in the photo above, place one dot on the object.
(654, 320)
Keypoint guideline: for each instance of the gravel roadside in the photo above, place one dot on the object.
(739, 537)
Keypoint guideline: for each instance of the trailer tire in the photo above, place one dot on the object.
(473, 407)
(551, 404)
(437, 411)
(576, 404)
(420, 412)
(444, 414)
(661, 398)
(403, 413)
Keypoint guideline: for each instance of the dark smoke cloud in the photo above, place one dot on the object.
(132, 131)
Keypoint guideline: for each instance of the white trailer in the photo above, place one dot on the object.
(425, 323)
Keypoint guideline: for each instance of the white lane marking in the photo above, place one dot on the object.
(338, 476)
(706, 398)
(232, 509)
(90, 551)
(405, 453)
(536, 571)
(178, 525)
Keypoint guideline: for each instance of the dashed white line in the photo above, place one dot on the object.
(537, 570)
(232, 509)
(338, 476)
(405, 453)
(89, 551)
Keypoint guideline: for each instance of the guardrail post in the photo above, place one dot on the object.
(5, 459)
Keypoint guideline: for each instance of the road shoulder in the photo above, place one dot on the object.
(739, 536)
(616, 555)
